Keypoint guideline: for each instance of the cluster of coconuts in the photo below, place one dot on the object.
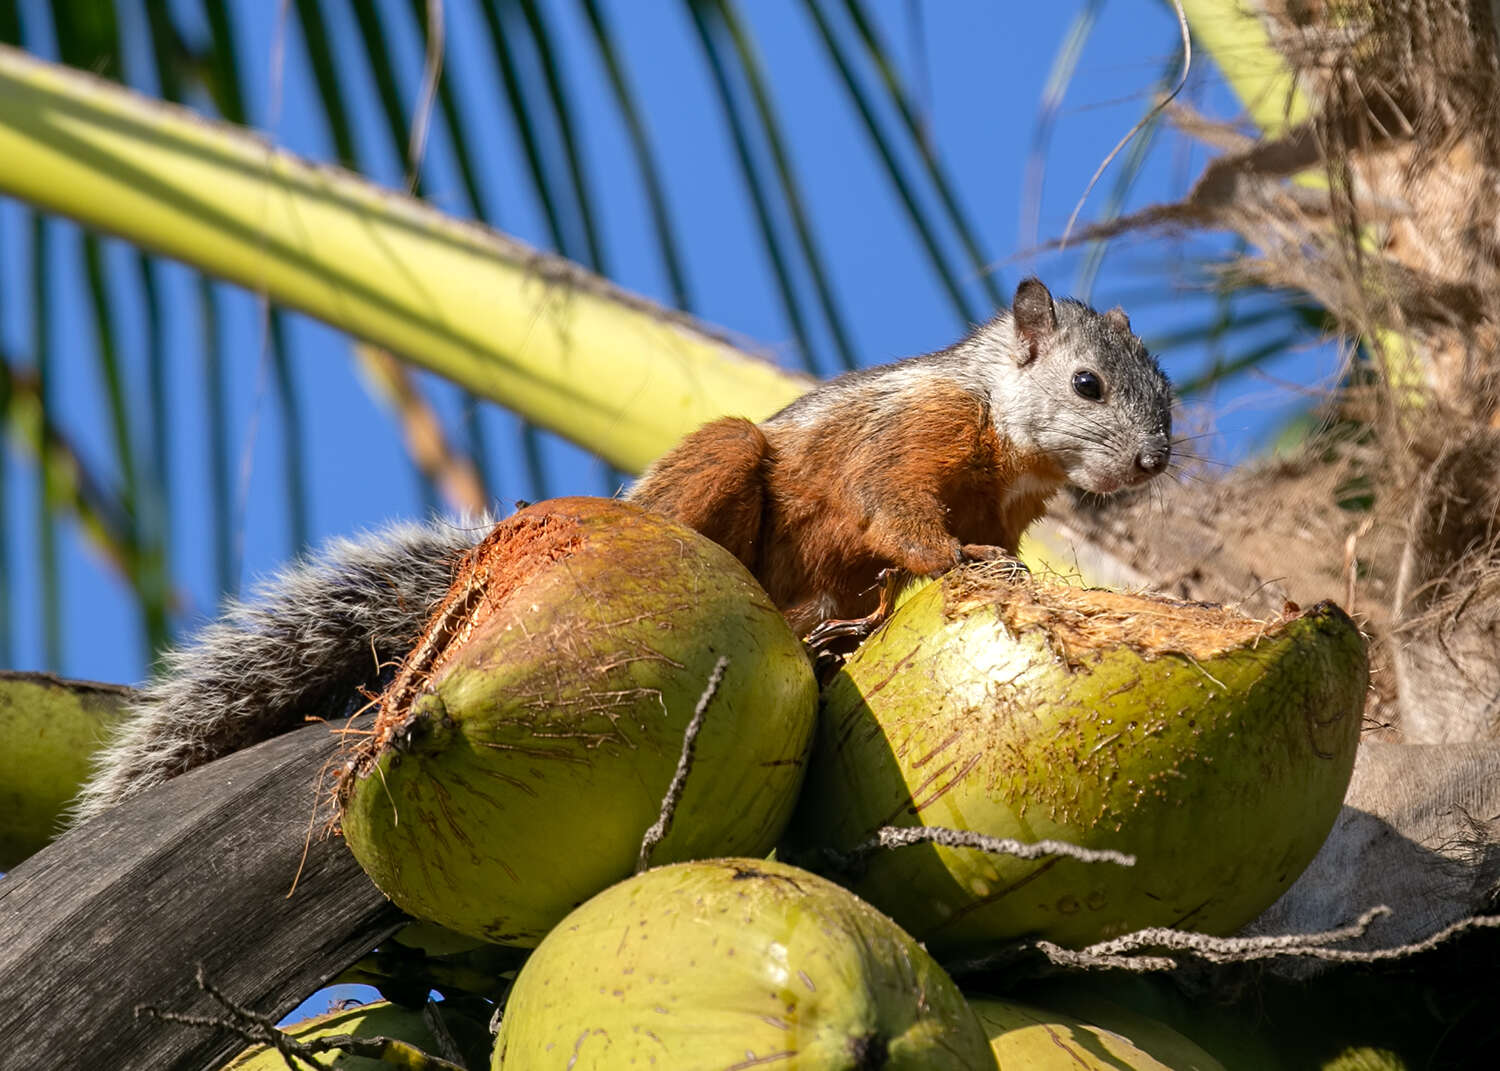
(528, 743)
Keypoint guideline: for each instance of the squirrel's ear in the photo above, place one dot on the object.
(1117, 317)
(1034, 316)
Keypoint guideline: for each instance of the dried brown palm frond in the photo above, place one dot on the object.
(1384, 204)
(1408, 113)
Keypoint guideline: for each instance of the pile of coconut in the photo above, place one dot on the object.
(610, 748)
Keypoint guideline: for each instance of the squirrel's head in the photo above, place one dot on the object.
(1080, 387)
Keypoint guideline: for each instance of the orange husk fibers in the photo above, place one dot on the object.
(526, 745)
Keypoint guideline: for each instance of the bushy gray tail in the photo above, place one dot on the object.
(307, 643)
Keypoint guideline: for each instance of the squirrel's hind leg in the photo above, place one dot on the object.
(714, 482)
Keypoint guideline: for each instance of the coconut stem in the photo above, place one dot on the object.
(663, 824)
(1181, 946)
(887, 838)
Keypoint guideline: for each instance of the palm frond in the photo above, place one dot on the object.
(426, 441)
(149, 586)
(1064, 66)
(645, 160)
(7, 608)
(468, 171)
(220, 451)
(49, 493)
(293, 456)
(1230, 367)
(791, 301)
(475, 440)
(724, 13)
(156, 492)
(63, 476)
(325, 76)
(523, 329)
(937, 173)
(563, 123)
(903, 185)
(1136, 154)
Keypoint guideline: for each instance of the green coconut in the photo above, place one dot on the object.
(526, 745)
(734, 963)
(51, 729)
(368, 1021)
(1040, 1039)
(1213, 748)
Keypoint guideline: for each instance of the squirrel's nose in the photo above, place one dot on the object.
(1153, 459)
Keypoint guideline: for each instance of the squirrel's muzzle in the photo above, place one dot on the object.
(1152, 460)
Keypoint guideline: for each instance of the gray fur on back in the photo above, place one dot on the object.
(310, 643)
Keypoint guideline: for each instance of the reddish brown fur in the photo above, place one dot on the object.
(713, 481)
(817, 511)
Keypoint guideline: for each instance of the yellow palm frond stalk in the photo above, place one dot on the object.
(564, 348)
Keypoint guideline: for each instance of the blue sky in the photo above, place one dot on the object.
(979, 68)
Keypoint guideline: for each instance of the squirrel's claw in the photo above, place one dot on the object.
(836, 628)
(860, 627)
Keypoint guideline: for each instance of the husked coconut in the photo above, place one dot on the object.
(1213, 748)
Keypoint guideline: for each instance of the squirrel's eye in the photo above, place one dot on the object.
(1087, 385)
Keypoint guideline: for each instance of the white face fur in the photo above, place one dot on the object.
(1079, 386)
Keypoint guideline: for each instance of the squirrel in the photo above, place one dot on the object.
(912, 467)
(924, 463)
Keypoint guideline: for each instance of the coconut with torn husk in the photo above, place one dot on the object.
(1213, 748)
(729, 963)
(528, 742)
